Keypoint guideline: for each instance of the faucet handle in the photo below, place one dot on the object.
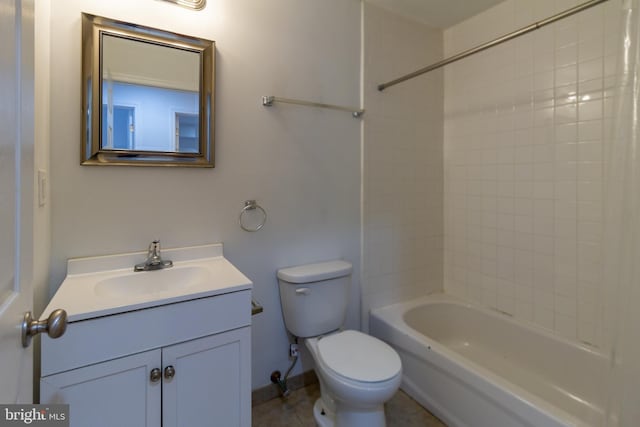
(154, 248)
(154, 261)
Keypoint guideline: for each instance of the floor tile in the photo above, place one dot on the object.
(297, 411)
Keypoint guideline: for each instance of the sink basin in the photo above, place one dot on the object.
(153, 282)
(106, 285)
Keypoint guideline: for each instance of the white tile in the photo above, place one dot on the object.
(523, 241)
(505, 205)
(590, 48)
(565, 114)
(523, 172)
(565, 228)
(590, 110)
(594, 89)
(524, 189)
(523, 224)
(566, 152)
(505, 238)
(566, 33)
(523, 206)
(590, 151)
(544, 80)
(532, 115)
(544, 171)
(610, 65)
(505, 189)
(543, 190)
(590, 231)
(587, 333)
(543, 316)
(589, 253)
(591, 23)
(544, 61)
(566, 209)
(566, 133)
(566, 170)
(590, 130)
(567, 94)
(523, 154)
(544, 134)
(524, 311)
(590, 70)
(566, 75)
(543, 244)
(543, 97)
(543, 208)
(544, 226)
(543, 153)
(566, 325)
(566, 306)
(505, 303)
(590, 171)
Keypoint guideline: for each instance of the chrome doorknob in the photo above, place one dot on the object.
(55, 326)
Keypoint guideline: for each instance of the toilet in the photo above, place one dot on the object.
(357, 372)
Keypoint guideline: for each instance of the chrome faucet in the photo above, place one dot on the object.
(154, 261)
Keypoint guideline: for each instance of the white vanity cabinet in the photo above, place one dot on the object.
(206, 389)
(113, 393)
(180, 364)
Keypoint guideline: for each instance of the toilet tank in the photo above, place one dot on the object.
(314, 297)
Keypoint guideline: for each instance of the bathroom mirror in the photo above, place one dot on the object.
(147, 96)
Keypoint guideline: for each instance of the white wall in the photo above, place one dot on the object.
(525, 134)
(301, 164)
(403, 169)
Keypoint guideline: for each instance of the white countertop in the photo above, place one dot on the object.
(81, 297)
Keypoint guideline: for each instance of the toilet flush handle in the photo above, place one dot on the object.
(303, 291)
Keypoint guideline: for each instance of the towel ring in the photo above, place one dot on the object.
(252, 205)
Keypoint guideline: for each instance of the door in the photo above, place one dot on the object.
(119, 133)
(210, 381)
(16, 196)
(119, 392)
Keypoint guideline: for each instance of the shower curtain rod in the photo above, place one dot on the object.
(495, 42)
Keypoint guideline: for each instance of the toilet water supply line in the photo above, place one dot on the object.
(276, 376)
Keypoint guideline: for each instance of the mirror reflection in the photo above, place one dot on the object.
(154, 103)
(149, 97)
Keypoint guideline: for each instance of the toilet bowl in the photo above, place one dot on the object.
(357, 372)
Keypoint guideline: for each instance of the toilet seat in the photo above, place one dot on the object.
(359, 357)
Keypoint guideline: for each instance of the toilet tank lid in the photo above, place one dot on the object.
(315, 272)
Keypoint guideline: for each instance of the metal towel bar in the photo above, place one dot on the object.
(268, 101)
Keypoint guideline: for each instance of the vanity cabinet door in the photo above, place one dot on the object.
(211, 381)
(118, 392)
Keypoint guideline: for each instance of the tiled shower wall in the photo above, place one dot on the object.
(525, 142)
(402, 162)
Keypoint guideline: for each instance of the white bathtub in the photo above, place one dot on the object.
(474, 367)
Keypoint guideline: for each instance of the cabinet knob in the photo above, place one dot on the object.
(155, 375)
(169, 372)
